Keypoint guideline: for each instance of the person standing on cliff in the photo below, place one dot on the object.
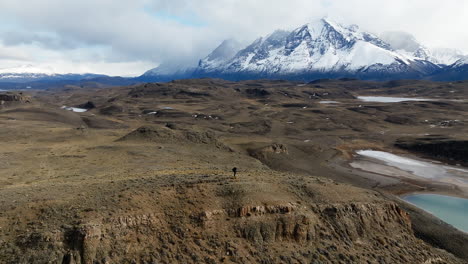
(234, 170)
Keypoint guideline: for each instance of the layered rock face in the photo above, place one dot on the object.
(13, 97)
(231, 223)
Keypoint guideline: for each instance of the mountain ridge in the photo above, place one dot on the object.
(326, 49)
(319, 48)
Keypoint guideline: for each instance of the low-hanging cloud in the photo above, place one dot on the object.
(140, 33)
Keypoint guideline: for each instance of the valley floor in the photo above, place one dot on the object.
(145, 175)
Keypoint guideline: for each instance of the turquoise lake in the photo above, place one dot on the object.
(451, 210)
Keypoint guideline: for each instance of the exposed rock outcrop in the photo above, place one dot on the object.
(365, 231)
(165, 134)
(262, 153)
(9, 97)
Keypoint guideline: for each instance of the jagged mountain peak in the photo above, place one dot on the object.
(324, 29)
(319, 23)
(319, 46)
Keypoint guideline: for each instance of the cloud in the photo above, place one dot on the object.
(8, 53)
(47, 40)
(145, 32)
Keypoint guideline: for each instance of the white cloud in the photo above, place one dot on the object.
(107, 36)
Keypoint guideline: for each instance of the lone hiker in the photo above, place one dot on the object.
(234, 170)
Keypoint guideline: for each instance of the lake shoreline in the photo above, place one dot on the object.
(403, 177)
(440, 213)
(425, 225)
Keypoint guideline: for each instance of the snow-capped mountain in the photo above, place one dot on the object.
(320, 49)
(405, 43)
(31, 73)
(461, 62)
(447, 56)
(25, 73)
(455, 72)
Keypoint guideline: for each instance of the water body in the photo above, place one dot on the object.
(388, 99)
(451, 210)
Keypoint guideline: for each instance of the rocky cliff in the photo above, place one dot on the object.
(229, 223)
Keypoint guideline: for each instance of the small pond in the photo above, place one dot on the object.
(451, 210)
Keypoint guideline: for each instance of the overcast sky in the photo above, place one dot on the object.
(128, 37)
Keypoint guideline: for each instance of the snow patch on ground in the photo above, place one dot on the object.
(329, 102)
(75, 109)
(390, 158)
(419, 168)
(387, 99)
